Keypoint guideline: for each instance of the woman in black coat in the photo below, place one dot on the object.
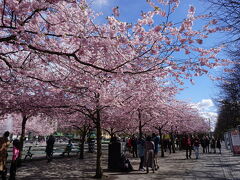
(219, 145)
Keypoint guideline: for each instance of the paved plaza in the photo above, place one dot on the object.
(172, 167)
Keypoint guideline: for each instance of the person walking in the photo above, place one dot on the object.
(196, 143)
(219, 145)
(4, 143)
(213, 145)
(140, 147)
(177, 143)
(188, 146)
(15, 156)
(207, 143)
(170, 144)
(91, 143)
(156, 140)
(203, 144)
(49, 148)
(134, 146)
(149, 154)
(165, 142)
(129, 145)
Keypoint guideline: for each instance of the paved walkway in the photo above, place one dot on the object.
(172, 167)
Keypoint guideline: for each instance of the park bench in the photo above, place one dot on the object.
(73, 149)
(76, 150)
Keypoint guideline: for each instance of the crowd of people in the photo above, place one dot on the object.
(209, 145)
(145, 148)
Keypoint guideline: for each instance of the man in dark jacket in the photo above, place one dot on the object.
(49, 147)
(188, 146)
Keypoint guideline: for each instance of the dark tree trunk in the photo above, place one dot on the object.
(24, 121)
(140, 124)
(140, 129)
(161, 141)
(173, 145)
(99, 171)
(83, 137)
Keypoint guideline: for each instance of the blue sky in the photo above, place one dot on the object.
(204, 89)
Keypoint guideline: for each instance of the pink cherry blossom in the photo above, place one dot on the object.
(116, 11)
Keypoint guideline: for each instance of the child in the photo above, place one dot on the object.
(16, 154)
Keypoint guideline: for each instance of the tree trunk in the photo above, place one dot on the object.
(140, 129)
(140, 124)
(161, 142)
(83, 137)
(173, 144)
(99, 171)
(111, 134)
(22, 137)
(24, 120)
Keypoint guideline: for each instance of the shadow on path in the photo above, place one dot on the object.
(172, 167)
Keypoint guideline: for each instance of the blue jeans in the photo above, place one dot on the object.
(196, 149)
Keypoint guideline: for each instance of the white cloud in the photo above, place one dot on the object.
(100, 3)
(207, 110)
(205, 104)
(211, 118)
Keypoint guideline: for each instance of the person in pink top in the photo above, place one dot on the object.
(15, 156)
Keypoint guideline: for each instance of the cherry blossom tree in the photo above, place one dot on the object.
(172, 116)
(28, 101)
(39, 125)
(70, 118)
(149, 96)
(116, 120)
(46, 34)
(57, 42)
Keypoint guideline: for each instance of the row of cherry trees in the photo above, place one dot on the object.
(119, 77)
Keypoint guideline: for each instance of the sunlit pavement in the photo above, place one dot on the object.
(172, 167)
